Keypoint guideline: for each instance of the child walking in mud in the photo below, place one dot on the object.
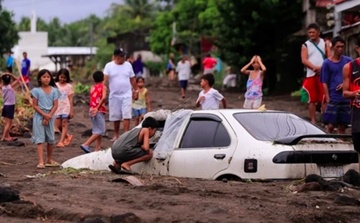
(65, 109)
(209, 98)
(97, 112)
(45, 102)
(133, 146)
(8, 82)
(142, 104)
(253, 94)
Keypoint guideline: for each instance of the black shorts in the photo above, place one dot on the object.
(129, 153)
(356, 141)
(183, 84)
(8, 111)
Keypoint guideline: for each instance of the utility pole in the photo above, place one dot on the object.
(91, 39)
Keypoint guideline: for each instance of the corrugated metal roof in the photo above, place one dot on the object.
(71, 50)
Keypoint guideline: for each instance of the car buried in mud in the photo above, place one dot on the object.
(240, 144)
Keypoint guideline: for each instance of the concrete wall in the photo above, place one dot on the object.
(35, 44)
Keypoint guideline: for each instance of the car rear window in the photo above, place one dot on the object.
(268, 126)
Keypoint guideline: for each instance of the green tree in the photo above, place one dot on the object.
(264, 30)
(8, 33)
(238, 32)
(132, 16)
(190, 25)
(25, 24)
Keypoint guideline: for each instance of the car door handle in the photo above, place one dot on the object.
(219, 156)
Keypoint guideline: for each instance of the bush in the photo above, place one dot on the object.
(80, 88)
(155, 68)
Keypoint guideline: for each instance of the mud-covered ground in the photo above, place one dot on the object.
(54, 195)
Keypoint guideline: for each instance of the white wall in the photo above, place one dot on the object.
(35, 44)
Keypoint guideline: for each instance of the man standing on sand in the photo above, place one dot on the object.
(9, 62)
(337, 113)
(313, 53)
(123, 89)
(351, 89)
(25, 68)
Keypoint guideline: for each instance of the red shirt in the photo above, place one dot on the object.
(355, 80)
(96, 94)
(209, 62)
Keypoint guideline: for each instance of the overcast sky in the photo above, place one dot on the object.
(66, 10)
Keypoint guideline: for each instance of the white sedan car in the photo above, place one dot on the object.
(242, 144)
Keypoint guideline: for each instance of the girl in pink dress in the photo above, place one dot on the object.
(65, 109)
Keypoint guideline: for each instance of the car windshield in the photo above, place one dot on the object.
(268, 126)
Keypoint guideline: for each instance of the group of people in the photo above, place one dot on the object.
(332, 81)
(324, 85)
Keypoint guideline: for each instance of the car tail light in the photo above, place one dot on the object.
(250, 166)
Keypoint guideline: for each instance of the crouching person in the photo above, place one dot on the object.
(133, 146)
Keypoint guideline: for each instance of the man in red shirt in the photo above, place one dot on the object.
(351, 89)
(209, 64)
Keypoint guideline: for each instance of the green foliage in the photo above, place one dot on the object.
(241, 33)
(155, 68)
(189, 28)
(80, 88)
(78, 33)
(8, 33)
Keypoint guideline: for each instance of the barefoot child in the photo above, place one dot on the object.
(133, 146)
(45, 102)
(97, 112)
(142, 104)
(209, 98)
(65, 109)
(253, 95)
(9, 98)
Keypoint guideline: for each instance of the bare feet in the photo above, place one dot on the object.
(125, 166)
(68, 139)
(60, 145)
(114, 139)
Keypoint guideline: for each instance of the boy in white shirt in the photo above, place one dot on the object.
(183, 69)
(209, 98)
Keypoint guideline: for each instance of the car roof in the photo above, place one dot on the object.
(233, 111)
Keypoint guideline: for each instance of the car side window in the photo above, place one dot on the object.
(205, 133)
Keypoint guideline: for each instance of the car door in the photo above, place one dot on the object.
(206, 147)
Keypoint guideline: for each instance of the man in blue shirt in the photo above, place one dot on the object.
(25, 68)
(9, 62)
(337, 113)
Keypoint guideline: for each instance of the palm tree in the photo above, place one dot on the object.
(134, 9)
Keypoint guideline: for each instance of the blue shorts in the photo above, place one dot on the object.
(8, 111)
(63, 116)
(98, 124)
(138, 112)
(183, 84)
(337, 113)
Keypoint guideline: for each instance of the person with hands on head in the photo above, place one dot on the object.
(8, 82)
(45, 102)
(351, 90)
(313, 53)
(337, 112)
(253, 94)
(133, 146)
(209, 98)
